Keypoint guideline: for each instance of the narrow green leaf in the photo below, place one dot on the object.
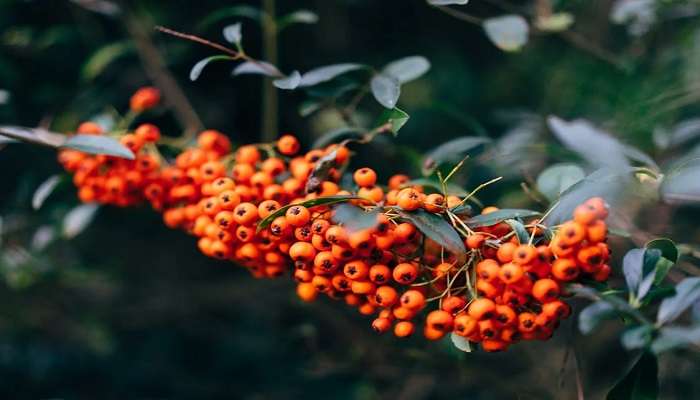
(681, 185)
(639, 267)
(672, 337)
(498, 216)
(233, 34)
(637, 337)
(669, 253)
(327, 73)
(44, 191)
(519, 229)
(297, 17)
(687, 293)
(437, 187)
(447, 2)
(258, 68)
(93, 144)
(591, 316)
(640, 383)
(197, 69)
(33, 135)
(78, 219)
(103, 57)
(436, 228)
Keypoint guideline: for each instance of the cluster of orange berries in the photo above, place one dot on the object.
(260, 207)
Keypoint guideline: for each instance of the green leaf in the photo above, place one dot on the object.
(639, 267)
(319, 201)
(591, 316)
(78, 219)
(386, 90)
(233, 34)
(595, 146)
(33, 135)
(4, 97)
(519, 229)
(669, 253)
(554, 180)
(557, 22)
(297, 17)
(436, 228)
(308, 107)
(451, 151)
(672, 337)
(197, 69)
(44, 191)
(637, 337)
(337, 135)
(93, 144)
(258, 67)
(327, 73)
(461, 343)
(354, 218)
(498, 216)
(290, 82)
(103, 57)
(407, 69)
(682, 185)
(447, 2)
(640, 383)
(396, 117)
(687, 293)
(508, 32)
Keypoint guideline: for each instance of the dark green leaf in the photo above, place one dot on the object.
(319, 201)
(309, 107)
(386, 90)
(498, 216)
(687, 293)
(669, 253)
(672, 337)
(639, 266)
(33, 135)
(354, 218)
(327, 73)
(396, 117)
(451, 151)
(640, 383)
(407, 69)
(519, 229)
(44, 191)
(554, 180)
(290, 82)
(595, 146)
(447, 2)
(591, 316)
(682, 185)
(637, 337)
(78, 219)
(103, 57)
(437, 229)
(337, 135)
(196, 71)
(93, 144)
(298, 17)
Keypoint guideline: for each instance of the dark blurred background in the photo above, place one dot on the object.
(130, 309)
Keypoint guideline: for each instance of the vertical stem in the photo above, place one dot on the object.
(270, 103)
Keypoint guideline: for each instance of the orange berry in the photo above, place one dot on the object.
(481, 308)
(545, 290)
(487, 269)
(385, 296)
(148, 133)
(245, 214)
(434, 203)
(412, 299)
(144, 98)
(298, 215)
(356, 270)
(453, 304)
(409, 199)
(405, 273)
(475, 241)
(403, 329)
(439, 320)
(524, 254)
(381, 325)
(464, 324)
(565, 269)
(571, 233)
(511, 273)
(365, 177)
(302, 251)
(288, 145)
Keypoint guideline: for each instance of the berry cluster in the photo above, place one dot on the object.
(261, 207)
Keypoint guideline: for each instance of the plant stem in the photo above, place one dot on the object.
(270, 111)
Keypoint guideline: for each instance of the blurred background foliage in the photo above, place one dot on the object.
(130, 309)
